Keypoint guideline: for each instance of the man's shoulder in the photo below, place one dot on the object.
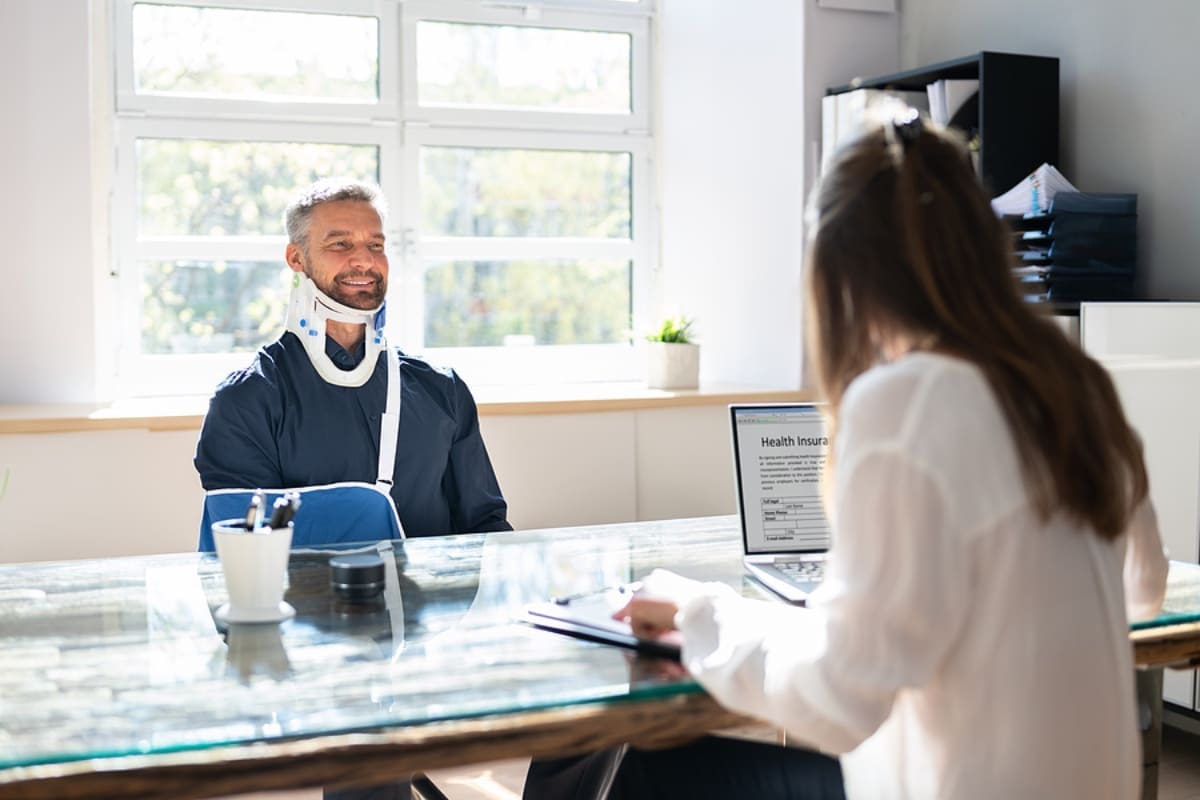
(420, 367)
(261, 374)
(440, 383)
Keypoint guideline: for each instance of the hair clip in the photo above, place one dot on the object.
(908, 125)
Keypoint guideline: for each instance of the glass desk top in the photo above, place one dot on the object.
(122, 656)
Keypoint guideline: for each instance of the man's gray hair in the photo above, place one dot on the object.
(298, 217)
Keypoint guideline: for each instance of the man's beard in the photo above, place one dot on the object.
(363, 299)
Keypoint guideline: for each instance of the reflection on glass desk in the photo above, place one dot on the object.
(114, 669)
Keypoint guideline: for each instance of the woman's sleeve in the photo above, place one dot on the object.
(891, 605)
(1146, 564)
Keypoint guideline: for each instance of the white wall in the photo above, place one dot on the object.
(741, 84)
(731, 165)
(46, 204)
(840, 46)
(1129, 119)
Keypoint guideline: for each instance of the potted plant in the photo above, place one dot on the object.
(672, 358)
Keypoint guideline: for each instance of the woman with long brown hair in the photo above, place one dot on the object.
(992, 533)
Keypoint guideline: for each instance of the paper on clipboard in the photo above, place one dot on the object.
(590, 616)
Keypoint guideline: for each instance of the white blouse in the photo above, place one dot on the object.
(959, 646)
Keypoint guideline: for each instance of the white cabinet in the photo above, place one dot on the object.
(1152, 351)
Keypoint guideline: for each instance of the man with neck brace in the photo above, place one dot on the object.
(329, 402)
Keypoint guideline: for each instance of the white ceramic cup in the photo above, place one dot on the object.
(255, 567)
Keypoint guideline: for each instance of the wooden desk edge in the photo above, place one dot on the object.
(369, 758)
(1168, 645)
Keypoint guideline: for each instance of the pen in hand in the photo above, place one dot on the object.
(624, 588)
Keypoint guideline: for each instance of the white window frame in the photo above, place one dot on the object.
(492, 365)
(459, 127)
(129, 101)
(398, 127)
(465, 11)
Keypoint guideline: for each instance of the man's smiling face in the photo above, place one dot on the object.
(345, 255)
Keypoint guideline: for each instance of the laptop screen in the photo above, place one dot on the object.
(779, 454)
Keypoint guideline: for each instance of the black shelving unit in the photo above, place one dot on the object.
(1018, 109)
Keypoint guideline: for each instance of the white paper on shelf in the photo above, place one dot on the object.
(947, 96)
(1033, 194)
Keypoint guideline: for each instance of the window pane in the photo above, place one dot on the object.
(502, 66)
(474, 192)
(212, 306)
(258, 55)
(190, 187)
(486, 303)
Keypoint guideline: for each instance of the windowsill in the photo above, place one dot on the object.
(186, 413)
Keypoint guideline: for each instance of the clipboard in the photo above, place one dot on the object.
(589, 616)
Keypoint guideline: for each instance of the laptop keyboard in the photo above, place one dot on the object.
(802, 570)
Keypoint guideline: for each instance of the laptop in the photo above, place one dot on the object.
(779, 456)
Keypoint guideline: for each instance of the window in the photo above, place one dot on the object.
(513, 143)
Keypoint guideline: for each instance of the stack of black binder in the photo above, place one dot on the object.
(1084, 248)
(1093, 248)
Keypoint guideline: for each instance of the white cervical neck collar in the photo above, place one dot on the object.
(309, 309)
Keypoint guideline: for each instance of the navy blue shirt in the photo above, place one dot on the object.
(279, 425)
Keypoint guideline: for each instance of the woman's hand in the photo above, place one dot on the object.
(652, 609)
(649, 617)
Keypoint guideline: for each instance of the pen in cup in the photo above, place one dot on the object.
(278, 512)
(285, 509)
(254, 513)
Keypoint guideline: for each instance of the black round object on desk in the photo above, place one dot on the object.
(357, 576)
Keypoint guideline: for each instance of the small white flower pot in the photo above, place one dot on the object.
(670, 365)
